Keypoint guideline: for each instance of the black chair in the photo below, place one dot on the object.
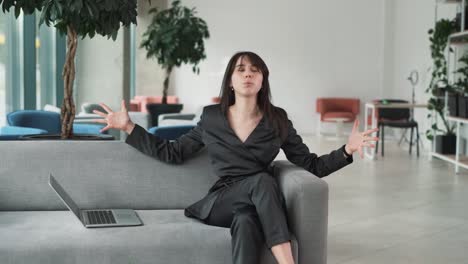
(397, 118)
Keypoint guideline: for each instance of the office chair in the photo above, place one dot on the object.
(396, 118)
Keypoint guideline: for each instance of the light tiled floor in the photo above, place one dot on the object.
(396, 209)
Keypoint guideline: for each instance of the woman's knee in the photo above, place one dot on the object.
(266, 181)
(245, 220)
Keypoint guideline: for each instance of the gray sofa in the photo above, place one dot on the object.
(36, 228)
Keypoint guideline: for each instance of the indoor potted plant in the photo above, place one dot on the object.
(445, 137)
(174, 37)
(77, 18)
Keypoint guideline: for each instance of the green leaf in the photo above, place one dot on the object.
(175, 36)
(17, 11)
(430, 137)
(114, 35)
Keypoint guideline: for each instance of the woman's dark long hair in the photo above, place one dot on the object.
(275, 115)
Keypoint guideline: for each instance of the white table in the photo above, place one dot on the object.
(372, 107)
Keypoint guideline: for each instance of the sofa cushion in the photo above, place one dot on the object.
(167, 236)
(331, 115)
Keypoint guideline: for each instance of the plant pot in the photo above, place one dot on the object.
(463, 106)
(156, 109)
(453, 104)
(439, 92)
(445, 144)
(74, 137)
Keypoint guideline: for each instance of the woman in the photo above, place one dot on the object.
(243, 135)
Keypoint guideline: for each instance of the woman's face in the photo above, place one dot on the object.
(246, 78)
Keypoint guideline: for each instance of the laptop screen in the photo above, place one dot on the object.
(64, 196)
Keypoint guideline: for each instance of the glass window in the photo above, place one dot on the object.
(37, 44)
(3, 66)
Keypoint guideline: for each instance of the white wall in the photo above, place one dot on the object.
(361, 48)
(99, 65)
(99, 71)
(410, 50)
(149, 75)
(312, 48)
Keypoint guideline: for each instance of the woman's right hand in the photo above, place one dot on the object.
(118, 120)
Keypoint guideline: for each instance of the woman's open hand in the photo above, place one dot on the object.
(117, 120)
(357, 140)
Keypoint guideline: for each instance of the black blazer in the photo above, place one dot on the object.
(231, 158)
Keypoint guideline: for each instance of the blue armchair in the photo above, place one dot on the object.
(92, 129)
(48, 121)
(45, 120)
(14, 132)
(170, 132)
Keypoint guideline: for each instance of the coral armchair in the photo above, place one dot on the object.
(337, 110)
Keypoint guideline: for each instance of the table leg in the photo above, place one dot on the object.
(457, 149)
(370, 109)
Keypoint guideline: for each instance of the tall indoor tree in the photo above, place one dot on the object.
(77, 18)
(175, 36)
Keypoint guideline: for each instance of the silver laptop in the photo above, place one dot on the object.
(98, 217)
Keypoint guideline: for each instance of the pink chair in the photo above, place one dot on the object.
(139, 102)
(337, 110)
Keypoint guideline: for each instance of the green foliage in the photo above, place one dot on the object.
(175, 36)
(438, 38)
(439, 81)
(86, 17)
(90, 17)
(28, 6)
(461, 85)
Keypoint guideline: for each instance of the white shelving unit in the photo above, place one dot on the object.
(448, 1)
(454, 40)
(458, 160)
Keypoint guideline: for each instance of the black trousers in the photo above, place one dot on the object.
(254, 210)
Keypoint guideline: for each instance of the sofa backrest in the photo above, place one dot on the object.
(106, 174)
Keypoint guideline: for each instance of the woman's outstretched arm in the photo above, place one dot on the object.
(175, 151)
(298, 153)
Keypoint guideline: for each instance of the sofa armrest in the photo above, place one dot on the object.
(306, 198)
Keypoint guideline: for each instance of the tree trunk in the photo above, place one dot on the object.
(166, 85)
(68, 74)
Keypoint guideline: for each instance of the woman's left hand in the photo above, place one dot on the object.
(357, 140)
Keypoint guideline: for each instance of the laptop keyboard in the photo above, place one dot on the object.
(101, 217)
